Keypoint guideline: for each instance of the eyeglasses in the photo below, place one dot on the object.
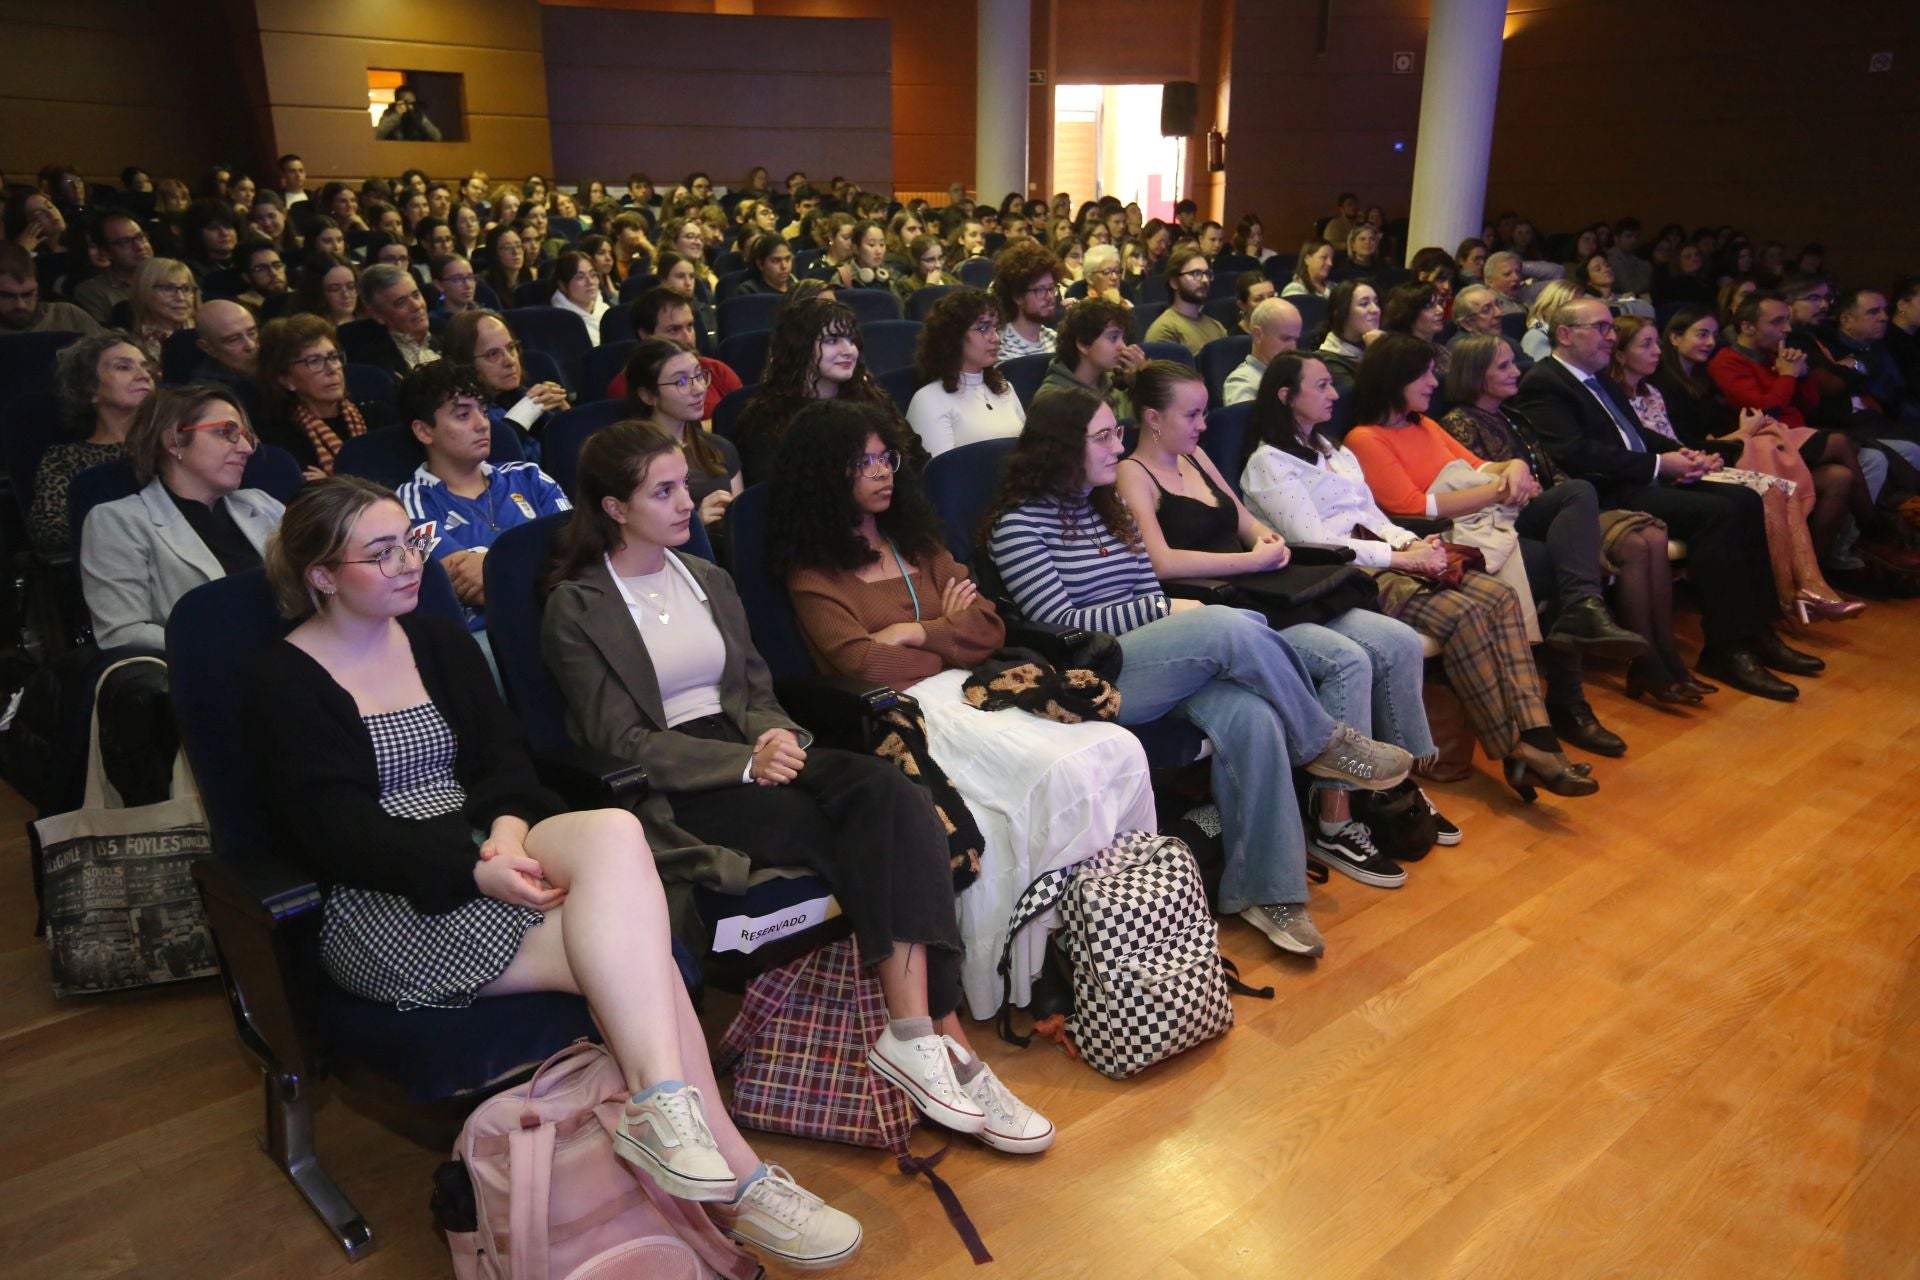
(321, 361)
(509, 352)
(1040, 290)
(174, 290)
(127, 242)
(875, 466)
(393, 560)
(985, 327)
(1105, 271)
(274, 268)
(465, 278)
(1198, 274)
(1105, 435)
(1601, 327)
(699, 378)
(227, 430)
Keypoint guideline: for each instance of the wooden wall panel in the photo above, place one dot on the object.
(316, 54)
(789, 93)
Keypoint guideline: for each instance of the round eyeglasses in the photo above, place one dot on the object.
(393, 560)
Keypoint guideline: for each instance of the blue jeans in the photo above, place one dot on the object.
(1367, 670)
(1242, 686)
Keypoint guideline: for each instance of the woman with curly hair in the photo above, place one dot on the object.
(812, 354)
(651, 651)
(965, 397)
(101, 381)
(1070, 554)
(880, 599)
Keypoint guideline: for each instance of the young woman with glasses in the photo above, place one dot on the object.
(667, 387)
(328, 288)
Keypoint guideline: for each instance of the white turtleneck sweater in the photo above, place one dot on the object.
(590, 318)
(946, 420)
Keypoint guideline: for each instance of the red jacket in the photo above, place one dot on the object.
(1747, 384)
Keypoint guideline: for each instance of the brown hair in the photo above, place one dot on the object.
(643, 370)
(281, 343)
(155, 430)
(613, 463)
(314, 530)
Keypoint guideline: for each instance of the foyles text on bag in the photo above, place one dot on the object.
(121, 906)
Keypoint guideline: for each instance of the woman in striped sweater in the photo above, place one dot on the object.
(1069, 553)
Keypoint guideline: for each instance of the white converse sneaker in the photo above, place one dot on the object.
(778, 1215)
(923, 1066)
(1012, 1125)
(666, 1134)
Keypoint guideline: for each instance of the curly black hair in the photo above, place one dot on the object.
(811, 513)
(943, 337)
(1048, 467)
(429, 386)
(792, 376)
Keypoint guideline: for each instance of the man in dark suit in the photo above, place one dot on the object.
(1596, 436)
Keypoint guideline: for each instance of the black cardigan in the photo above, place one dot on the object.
(323, 788)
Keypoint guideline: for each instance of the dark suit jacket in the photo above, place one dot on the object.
(1580, 434)
(366, 342)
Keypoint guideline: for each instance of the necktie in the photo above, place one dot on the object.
(1627, 433)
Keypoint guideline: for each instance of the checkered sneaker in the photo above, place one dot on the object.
(1147, 975)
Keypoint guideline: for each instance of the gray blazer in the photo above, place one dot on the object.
(613, 705)
(139, 555)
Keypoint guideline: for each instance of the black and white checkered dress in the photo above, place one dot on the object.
(376, 945)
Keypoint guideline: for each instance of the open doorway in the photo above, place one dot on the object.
(1106, 142)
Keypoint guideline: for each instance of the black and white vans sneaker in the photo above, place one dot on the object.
(1350, 851)
(1444, 832)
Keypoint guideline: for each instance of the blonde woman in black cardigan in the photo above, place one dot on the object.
(396, 774)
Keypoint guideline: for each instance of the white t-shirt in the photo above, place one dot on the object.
(946, 420)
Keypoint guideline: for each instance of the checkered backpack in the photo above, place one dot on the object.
(1148, 977)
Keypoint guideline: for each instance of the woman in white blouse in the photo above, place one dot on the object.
(576, 288)
(966, 398)
(1308, 489)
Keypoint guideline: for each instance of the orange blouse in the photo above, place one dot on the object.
(1400, 462)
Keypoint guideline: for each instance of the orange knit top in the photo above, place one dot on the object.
(1400, 462)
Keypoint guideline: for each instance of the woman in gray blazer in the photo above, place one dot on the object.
(190, 523)
(652, 653)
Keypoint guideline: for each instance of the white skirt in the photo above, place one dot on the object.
(1046, 795)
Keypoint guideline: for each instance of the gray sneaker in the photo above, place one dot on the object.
(1356, 759)
(1287, 926)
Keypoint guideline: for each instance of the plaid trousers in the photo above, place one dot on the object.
(1483, 647)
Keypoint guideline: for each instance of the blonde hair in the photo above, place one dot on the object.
(1553, 295)
(314, 530)
(153, 272)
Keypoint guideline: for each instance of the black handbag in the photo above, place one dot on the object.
(1303, 593)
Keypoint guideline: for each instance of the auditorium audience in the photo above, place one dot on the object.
(479, 339)
(119, 238)
(506, 262)
(26, 308)
(229, 343)
(769, 266)
(1505, 274)
(328, 288)
(403, 338)
(1418, 310)
(964, 396)
(1536, 343)
(576, 290)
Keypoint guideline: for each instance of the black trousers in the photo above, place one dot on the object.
(1726, 537)
(1567, 519)
(862, 825)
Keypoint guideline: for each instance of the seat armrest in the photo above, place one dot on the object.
(1205, 590)
(589, 779)
(1054, 641)
(264, 914)
(842, 711)
(1424, 525)
(1305, 553)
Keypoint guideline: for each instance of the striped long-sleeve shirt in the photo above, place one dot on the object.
(1086, 578)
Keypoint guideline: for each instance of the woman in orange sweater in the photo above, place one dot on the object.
(1402, 452)
(879, 598)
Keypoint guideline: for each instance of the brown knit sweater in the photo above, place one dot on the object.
(840, 614)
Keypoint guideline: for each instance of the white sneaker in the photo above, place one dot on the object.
(1012, 1125)
(780, 1216)
(666, 1135)
(923, 1066)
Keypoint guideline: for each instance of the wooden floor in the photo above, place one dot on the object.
(1672, 1030)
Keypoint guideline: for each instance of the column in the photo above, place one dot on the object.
(1457, 99)
(1000, 98)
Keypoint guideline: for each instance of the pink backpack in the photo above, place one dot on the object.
(551, 1200)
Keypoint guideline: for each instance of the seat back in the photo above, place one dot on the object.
(635, 285)
(776, 632)
(1514, 326)
(923, 300)
(532, 293)
(746, 353)
(871, 306)
(1313, 310)
(567, 431)
(725, 284)
(29, 426)
(889, 344)
(1025, 374)
(391, 455)
(1226, 310)
(1218, 359)
(1151, 289)
(617, 325)
(960, 484)
(976, 273)
(900, 384)
(602, 365)
(27, 359)
(213, 634)
(1144, 314)
(1226, 442)
(727, 412)
(1173, 351)
(370, 384)
(560, 334)
(745, 312)
(1231, 265)
(180, 354)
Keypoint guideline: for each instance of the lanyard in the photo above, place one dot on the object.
(906, 577)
